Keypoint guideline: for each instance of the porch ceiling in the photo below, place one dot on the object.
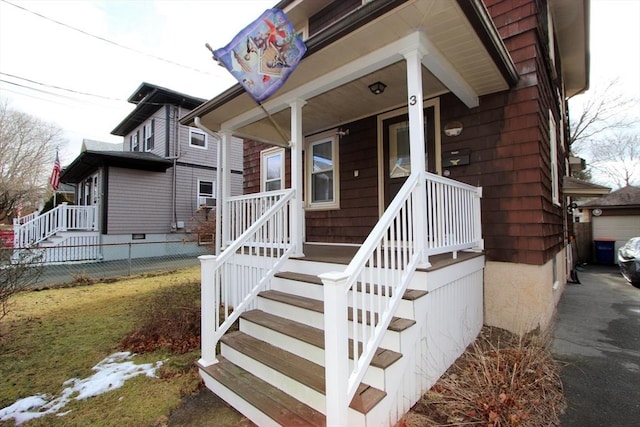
(334, 79)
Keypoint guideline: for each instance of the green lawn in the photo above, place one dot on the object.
(53, 335)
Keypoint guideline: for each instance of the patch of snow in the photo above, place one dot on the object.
(111, 373)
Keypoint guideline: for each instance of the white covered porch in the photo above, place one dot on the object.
(261, 236)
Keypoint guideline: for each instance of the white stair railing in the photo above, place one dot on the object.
(380, 272)
(62, 218)
(246, 209)
(232, 280)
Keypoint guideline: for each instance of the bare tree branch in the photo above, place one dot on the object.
(27, 149)
(604, 110)
(618, 158)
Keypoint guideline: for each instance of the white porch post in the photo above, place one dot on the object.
(336, 349)
(225, 176)
(297, 216)
(208, 301)
(416, 144)
(219, 204)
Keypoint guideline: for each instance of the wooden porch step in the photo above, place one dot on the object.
(314, 336)
(301, 370)
(276, 404)
(397, 324)
(409, 294)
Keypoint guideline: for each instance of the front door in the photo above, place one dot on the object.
(396, 153)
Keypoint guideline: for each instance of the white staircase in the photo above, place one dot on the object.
(271, 369)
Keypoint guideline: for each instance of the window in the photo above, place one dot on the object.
(272, 169)
(133, 140)
(147, 135)
(553, 152)
(322, 172)
(399, 153)
(197, 138)
(206, 194)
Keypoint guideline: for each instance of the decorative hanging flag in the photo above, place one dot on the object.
(54, 180)
(263, 54)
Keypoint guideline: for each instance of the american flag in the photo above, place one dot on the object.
(54, 180)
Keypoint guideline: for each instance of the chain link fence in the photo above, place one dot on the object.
(86, 263)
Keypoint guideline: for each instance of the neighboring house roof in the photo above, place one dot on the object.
(88, 161)
(626, 197)
(575, 187)
(150, 98)
(92, 145)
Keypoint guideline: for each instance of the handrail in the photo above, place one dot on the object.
(61, 218)
(381, 270)
(232, 280)
(377, 276)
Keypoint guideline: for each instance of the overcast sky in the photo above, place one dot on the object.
(68, 74)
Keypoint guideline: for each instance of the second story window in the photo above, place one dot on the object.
(134, 141)
(147, 135)
(197, 138)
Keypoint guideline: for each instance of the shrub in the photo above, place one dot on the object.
(501, 380)
(170, 320)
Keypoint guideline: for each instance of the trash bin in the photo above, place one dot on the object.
(605, 252)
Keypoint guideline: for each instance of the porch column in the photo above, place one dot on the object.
(225, 176)
(416, 146)
(218, 228)
(297, 214)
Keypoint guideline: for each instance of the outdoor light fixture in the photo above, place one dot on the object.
(453, 128)
(377, 88)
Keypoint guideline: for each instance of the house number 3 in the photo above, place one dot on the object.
(412, 100)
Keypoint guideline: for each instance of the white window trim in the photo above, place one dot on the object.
(147, 134)
(198, 131)
(200, 197)
(309, 142)
(264, 155)
(553, 152)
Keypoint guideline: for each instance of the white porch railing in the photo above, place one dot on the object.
(379, 274)
(453, 216)
(62, 218)
(245, 210)
(232, 280)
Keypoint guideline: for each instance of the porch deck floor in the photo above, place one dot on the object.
(343, 255)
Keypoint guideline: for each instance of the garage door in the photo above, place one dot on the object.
(620, 228)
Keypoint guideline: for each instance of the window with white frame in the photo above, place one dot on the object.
(322, 175)
(272, 169)
(134, 141)
(147, 135)
(197, 138)
(206, 194)
(553, 144)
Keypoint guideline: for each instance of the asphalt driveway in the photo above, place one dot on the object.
(597, 339)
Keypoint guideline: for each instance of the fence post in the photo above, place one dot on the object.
(64, 220)
(208, 303)
(336, 348)
(129, 258)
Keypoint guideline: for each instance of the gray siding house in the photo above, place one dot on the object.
(158, 185)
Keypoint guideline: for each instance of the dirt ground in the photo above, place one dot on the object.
(205, 409)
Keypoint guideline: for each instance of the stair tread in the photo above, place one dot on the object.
(300, 369)
(314, 336)
(410, 294)
(397, 324)
(275, 403)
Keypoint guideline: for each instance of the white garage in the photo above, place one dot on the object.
(615, 218)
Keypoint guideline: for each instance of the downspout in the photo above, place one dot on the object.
(214, 135)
